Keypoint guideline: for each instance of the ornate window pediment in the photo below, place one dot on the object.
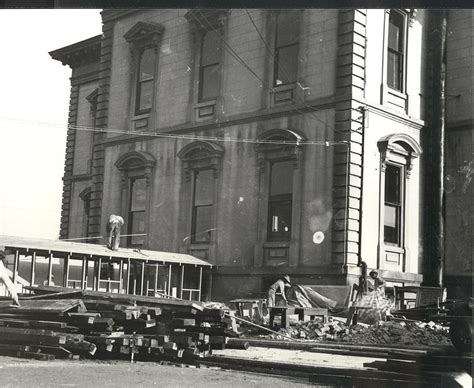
(201, 154)
(135, 160)
(278, 143)
(206, 19)
(144, 33)
(401, 145)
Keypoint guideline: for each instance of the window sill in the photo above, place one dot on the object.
(276, 244)
(205, 110)
(140, 121)
(393, 248)
(282, 94)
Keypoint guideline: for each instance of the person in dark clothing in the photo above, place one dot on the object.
(113, 231)
(379, 282)
(280, 285)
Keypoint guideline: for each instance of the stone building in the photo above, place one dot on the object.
(263, 141)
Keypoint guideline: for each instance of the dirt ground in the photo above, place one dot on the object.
(16, 372)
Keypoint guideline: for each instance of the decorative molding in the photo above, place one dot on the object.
(399, 144)
(201, 154)
(80, 53)
(206, 19)
(143, 33)
(135, 160)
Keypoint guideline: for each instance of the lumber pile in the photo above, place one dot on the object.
(61, 323)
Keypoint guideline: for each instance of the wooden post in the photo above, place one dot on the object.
(33, 268)
(128, 276)
(156, 278)
(182, 280)
(142, 278)
(84, 273)
(200, 283)
(120, 277)
(15, 266)
(66, 271)
(50, 267)
(99, 265)
(169, 279)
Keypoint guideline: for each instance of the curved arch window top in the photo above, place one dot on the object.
(143, 33)
(136, 160)
(279, 143)
(201, 154)
(399, 144)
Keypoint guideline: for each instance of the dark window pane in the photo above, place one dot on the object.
(395, 31)
(204, 188)
(211, 46)
(288, 23)
(279, 219)
(202, 224)
(394, 71)
(392, 224)
(147, 65)
(281, 178)
(287, 65)
(145, 96)
(393, 184)
(138, 194)
(210, 82)
(137, 226)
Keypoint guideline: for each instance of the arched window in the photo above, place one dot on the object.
(398, 153)
(85, 195)
(136, 169)
(201, 164)
(279, 156)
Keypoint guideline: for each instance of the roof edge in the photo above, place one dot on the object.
(85, 51)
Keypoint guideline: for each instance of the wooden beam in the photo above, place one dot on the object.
(66, 270)
(15, 266)
(33, 268)
(121, 276)
(200, 283)
(182, 281)
(128, 276)
(142, 278)
(99, 267)
(84, 273)
(169, 279)
(50, 267)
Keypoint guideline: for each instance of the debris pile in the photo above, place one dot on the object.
(383, 332)
(78, 323)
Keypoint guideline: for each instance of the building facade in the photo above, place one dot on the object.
(262, 141)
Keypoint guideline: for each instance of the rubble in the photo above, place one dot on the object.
(383, 332)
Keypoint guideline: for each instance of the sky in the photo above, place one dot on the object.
(34, 105)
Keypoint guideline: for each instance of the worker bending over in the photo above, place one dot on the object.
(280, 285)
(6, 279)
(113, 231)
(379, 282)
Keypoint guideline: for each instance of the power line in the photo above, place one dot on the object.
(183, 136)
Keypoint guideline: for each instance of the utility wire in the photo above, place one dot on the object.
(183, 136)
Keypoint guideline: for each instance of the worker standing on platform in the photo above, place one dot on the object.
(113, 231)
(6, 278)
(280, 284)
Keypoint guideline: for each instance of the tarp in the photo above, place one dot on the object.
(305, 296)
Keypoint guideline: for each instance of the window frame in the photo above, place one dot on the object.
(131, 213)
(139, 83)
(195, 207)
(202, 68)
(401, 54)
(276, 52)
(400, 206)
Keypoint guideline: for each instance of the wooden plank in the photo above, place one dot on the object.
(31, 336)
(56, 351)
(32, 323)
(44, 306)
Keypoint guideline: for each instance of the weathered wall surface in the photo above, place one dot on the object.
(459, 150)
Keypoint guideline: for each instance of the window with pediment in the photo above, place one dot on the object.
(207, 27)
(136, 174)
(201, 163)
(144, 39)
(398, 153)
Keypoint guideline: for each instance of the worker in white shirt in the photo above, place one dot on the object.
(281, 285)
(5, 278)
(113, 231)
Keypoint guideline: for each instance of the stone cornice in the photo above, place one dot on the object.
(394, 115)
(261, 115)
(85, 78)
(77, 177)
(113, 14)
(80, 53)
